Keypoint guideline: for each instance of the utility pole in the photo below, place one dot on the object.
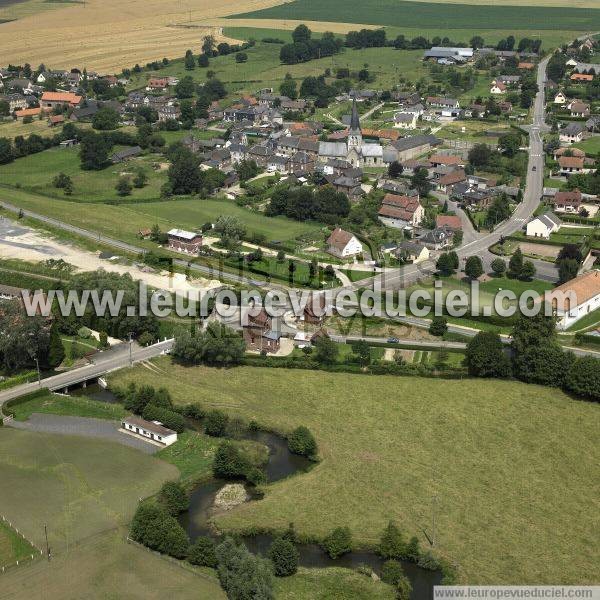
(47, 546)
(434, 506)
(130, 350)
(37, 364)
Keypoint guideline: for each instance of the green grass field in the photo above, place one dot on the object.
(400, 13)
(86, 491)
(515, 495)
(13, 547)
(79, 406)
(36, 172)
(331, 584)
(124, 222)
(590, 146)
(264, 69)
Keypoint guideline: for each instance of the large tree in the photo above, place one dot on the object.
(485, 356)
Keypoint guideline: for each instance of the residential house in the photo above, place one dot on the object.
(411, 147)
(449, 222)
(53, 99)
(571, 165)
(575, 299)
(568, 202)
(155, 431)
(526, 66)
(28, 112)
(438, 102)
(582, 77)
(401, 211)
(261, 333)
(543, 226)
(187, 242)
(15, 102)
(579, 109)
(157, 84)
(560, 98)
(571, 133)
(343, 244)
(405, 120)
(448, 181)
(498, 88)
(438, 238)
(412, 252)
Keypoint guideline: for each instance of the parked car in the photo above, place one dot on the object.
(393, 340)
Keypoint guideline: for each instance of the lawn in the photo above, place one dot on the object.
(402, 13)
(590, 146)
(192, 454)
(587, 322)
(330, 584)
(123, 222)
(13, 547)
(79, 406)
(36, 172)
(515, 496)
(264, 68)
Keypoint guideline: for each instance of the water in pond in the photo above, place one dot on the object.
(283, 464)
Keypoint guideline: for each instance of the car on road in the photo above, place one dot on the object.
(392, 340)
(534, 168)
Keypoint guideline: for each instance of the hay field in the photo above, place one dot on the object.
(108, 35)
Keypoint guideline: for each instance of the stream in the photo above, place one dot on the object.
(281, 464)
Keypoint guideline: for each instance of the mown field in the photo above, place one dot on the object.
(402, 13)
(515, 494)
(124, 222)
(85, 491)
(264, 68)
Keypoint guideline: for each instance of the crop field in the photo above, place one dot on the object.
(515, 497)
(109, 35)
(403, 13)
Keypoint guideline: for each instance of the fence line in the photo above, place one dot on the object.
(31, 558)
(180, 563)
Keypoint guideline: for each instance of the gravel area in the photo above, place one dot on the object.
(84, 426)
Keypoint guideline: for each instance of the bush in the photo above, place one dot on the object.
(84, 333)
(392, 544)
(284, 556)
(153, 527)
(392, 572)
(229, 462)
(403, 588)
(338, 542)
(583, 378)
(202, 553)
(438, 326)
(193, 411)
(302, 442)
(413, 549)
(255, 476)
(167, 417)
(215, 423)
(173, 497)
(146, 339)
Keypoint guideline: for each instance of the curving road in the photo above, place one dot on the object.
(403, 276)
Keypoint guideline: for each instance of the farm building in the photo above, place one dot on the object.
(184, 241)
(152, 430)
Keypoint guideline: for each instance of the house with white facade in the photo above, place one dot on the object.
(150, 430)
(343, 244)
(543, 226)
(575, 299)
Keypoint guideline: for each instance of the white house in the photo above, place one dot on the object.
(343, 244)
(405, 120)
(560, 98)
(575, 299)
(543, 225)
(498, 88)
(152, 430)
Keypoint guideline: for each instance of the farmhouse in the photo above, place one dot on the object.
(571, 165)
(582, 77)
(449, 221)
(575, 299)
(412, 252)
(401, 211)
(152, 430)
(184, 241)
(343, 244)
(52, 99)
(560, 98)
(15, 101)
(579, 109)
(543, 226)
(498, 88)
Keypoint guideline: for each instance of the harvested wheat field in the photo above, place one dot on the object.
(108, 35)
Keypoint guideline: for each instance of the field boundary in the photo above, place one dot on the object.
(23, 561)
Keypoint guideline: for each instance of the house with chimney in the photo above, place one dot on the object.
(401, 211)
(343, 244)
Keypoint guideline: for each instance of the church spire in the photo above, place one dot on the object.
(354, 120)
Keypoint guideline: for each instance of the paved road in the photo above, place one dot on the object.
(204, 270)
(400, 278)
(83, 426)
(103, 363)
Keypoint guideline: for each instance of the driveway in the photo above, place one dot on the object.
(83, 426)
